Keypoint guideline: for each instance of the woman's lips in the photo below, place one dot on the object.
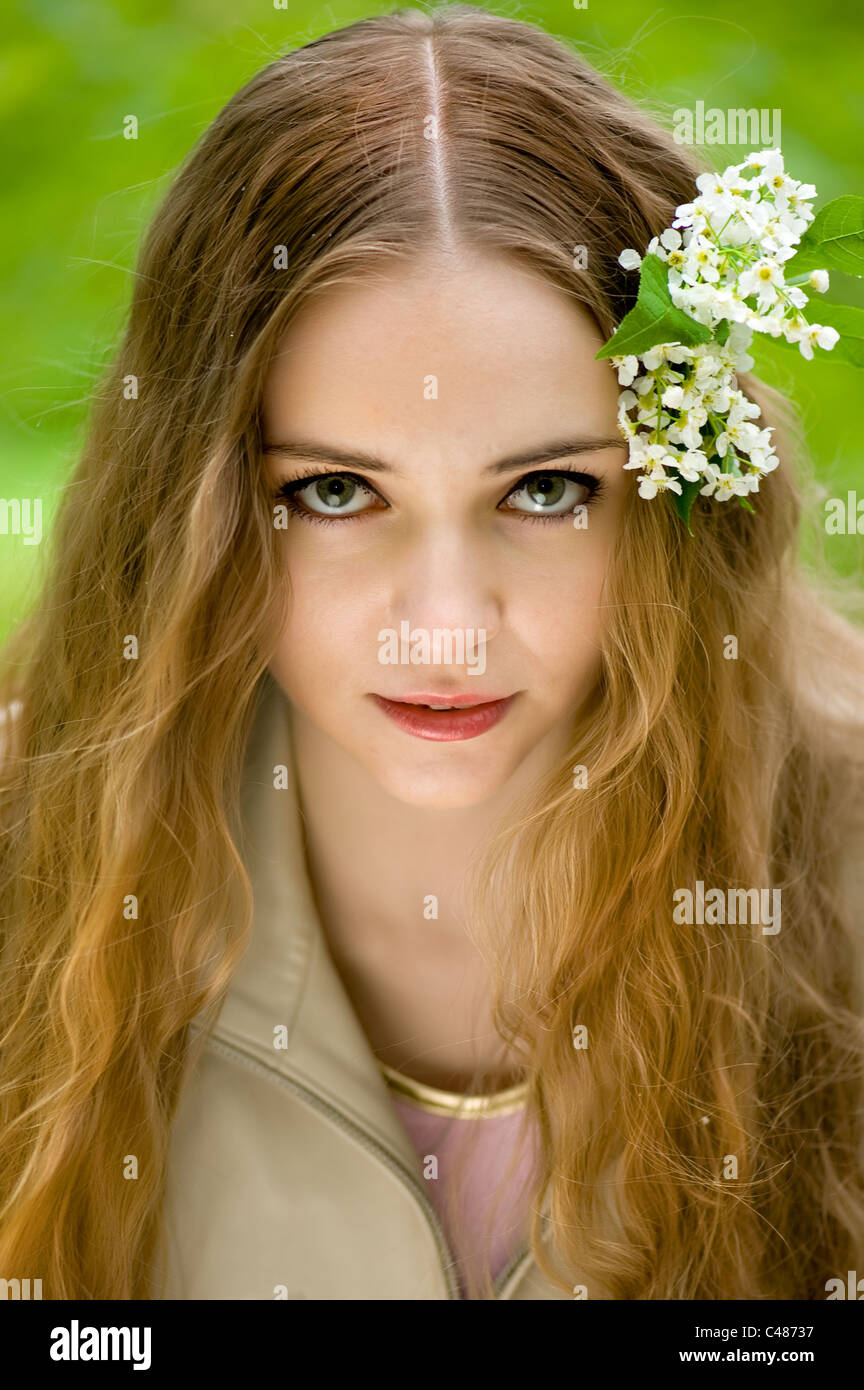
(472, 718)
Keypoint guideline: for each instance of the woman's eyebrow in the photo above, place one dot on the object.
(370, 463)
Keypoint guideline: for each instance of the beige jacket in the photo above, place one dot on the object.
(290, 1173)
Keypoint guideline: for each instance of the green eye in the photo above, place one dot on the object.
(553, 493)
(332, 493)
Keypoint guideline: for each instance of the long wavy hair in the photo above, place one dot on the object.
(125, 902)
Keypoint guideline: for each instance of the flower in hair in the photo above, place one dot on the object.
(737, 261)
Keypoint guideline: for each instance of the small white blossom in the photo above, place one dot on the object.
(657, 481)
(628, 369)
(818, 334)
(772, 324)
(724, 485)
(681, 409)
(692, 465)
(762, 279)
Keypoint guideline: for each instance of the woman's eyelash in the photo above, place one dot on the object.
(286, 492)
(596, 487)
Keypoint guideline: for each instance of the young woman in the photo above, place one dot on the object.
(311, 986)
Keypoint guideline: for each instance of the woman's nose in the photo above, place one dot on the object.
(446, 580)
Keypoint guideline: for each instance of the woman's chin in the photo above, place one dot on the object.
(440, 788)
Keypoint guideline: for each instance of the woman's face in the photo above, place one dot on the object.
(435, 552)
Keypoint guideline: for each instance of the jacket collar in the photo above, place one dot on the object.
(286, 1003)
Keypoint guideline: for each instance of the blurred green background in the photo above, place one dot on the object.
(76, 196)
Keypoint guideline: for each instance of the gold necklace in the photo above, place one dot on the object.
(438, 1102)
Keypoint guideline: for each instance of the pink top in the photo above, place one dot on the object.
(493, 1141)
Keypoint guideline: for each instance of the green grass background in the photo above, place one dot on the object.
(75, 196)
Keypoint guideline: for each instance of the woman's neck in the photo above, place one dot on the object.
(390, 885)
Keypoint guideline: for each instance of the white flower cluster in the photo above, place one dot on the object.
(681, 409)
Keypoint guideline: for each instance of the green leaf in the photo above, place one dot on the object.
(683, 502)
(742, 502)
(654, 319)
(834, 239)
(849, 323)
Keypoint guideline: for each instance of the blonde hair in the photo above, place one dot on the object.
(122, 775)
